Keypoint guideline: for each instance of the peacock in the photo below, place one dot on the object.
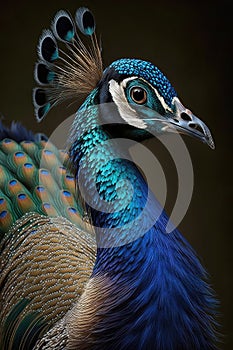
(86, 259)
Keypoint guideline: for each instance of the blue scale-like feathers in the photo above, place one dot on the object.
(151, 290)
(159, 297)
(147, 71)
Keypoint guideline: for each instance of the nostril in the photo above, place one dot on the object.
(185, 116)
(196, 127)
(176, 120)
(192, 125)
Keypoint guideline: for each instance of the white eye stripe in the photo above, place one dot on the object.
(160, 98)
(126, 80)
(127, 113)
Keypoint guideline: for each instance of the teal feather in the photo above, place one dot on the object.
(30, 147)
(16, 324)
(63, 27)
(27, 173)
(24, 203)
(8, 145)
(33, 178)
(11, 323)
(6, 215)
(5, 175)
(34, 248)
(85, 21)
(143, 288)
(31, 326)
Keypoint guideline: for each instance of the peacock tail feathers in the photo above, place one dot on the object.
(43, 237)
(34, 178)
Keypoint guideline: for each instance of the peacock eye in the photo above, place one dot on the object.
(138, 95)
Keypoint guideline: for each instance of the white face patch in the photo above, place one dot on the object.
(127, 113)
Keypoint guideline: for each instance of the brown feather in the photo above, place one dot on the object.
(78, 73)
(48, 261)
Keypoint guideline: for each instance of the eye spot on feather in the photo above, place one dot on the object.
(19, 154)
(13, 183)
(66, 193)
(40, 189)
(28, 165)
(43, 75)
(3, 214)
(22, 196)
(9, 146)
(48, 152)
(72, 210)
(7, 141)
(44, 172)
(39, 97)
(67, 72)
(48, 47)
(19, 158)
(47, 205)
(63, 27)
(85, 21)
(49, 209)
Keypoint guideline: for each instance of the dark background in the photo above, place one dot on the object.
(190, 42)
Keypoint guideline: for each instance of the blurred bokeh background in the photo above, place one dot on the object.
(190, 42)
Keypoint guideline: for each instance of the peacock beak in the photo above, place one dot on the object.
(185, 122)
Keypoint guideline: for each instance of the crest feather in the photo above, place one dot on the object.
(70, 71)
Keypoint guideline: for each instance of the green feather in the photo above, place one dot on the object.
(10, 146)
(34, 177)
(31, 326)
(18, 324)
(6, 214)
(11, 323)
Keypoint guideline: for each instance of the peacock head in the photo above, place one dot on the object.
(146, 102)
(141, 98)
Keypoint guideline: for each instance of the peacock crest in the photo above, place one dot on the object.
(69, 72)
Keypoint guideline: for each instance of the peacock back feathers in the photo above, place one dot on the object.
(43, 239)
(34, 178)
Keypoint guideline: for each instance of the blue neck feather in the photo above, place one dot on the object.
(159, 297)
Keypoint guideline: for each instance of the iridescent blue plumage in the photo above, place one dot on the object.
(147, 71)
(158, 295)
(147, 289)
